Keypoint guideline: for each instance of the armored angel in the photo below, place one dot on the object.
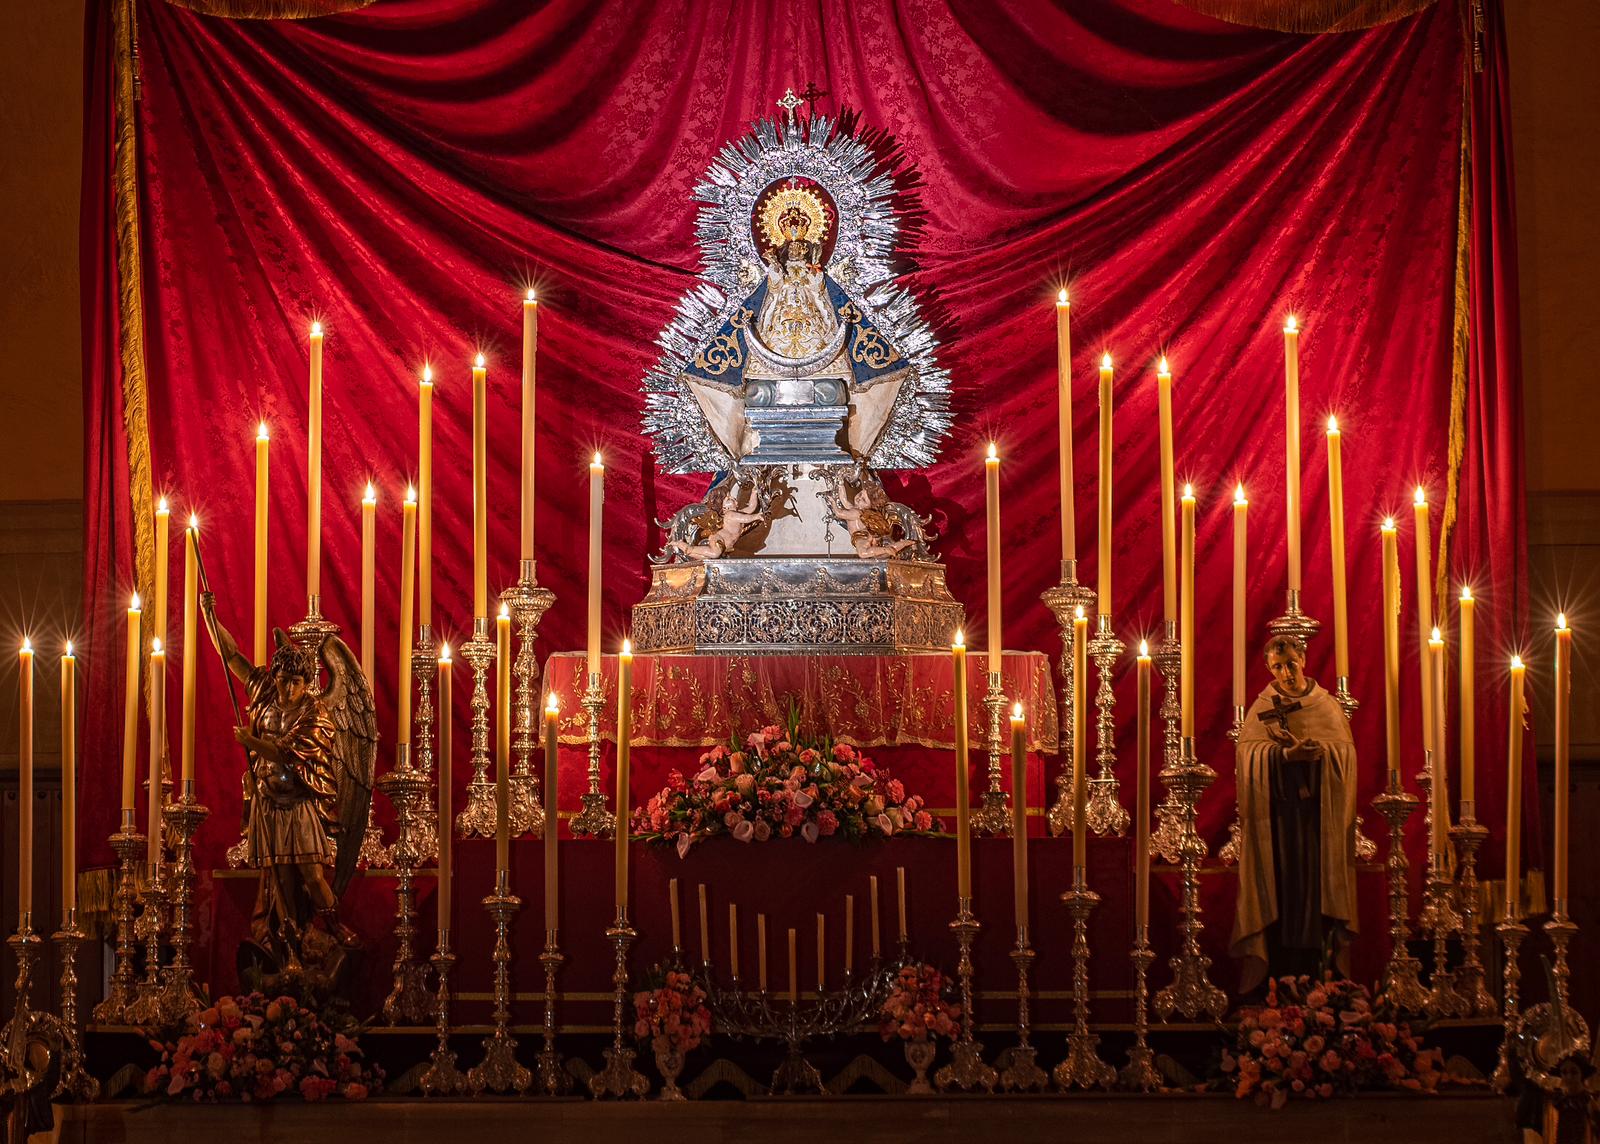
(311, 756)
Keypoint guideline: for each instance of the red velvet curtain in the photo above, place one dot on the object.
(402, 171)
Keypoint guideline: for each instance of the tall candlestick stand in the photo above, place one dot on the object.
(1190, 992)
(1023, 1073)
(423, 832)
(1083, 1067)
(182, 818)
(442, 1077)
(619, 1078)
(1105, 813)
(1400, 984)
(499, 1070)
(75, 1082)
(477, 817)
(993, 816)
(966, 1071)
(408, 789)
(1064, 600)
(1342, 696)
(20, 1069)
(593, 819)
(310, 633)
(553, 1079)
(1440, 919)
(1294, 622)
(1228, 853)
(128, 844)
(1511, 933)
(1553, 1030)
(149, 1002)
(1166, 838)
(1469, 834)
(527, 602)
(1140, 1074)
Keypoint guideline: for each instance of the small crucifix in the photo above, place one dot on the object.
(811, 94)
(789, 102)
(1280, 712)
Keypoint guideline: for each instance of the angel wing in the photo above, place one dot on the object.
(349, 702)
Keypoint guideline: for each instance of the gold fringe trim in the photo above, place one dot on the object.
(1460, 346)
(269, 9)
(1309, 16)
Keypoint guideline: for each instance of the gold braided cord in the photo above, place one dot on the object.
(270, 9)
(1308, 16)
(1460, 344)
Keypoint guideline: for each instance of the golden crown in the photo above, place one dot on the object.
(788, 202)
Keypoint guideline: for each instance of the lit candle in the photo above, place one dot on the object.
(1169, 500)
(733, 939)
(69, 783)
(900, 882)
(163, 549)
(1080, 736)
(876, 946)
(822, 949)
(158, 742)
(130, 716)
(191, 650)
(1438, 796)
(258, 644)
(624, 751)
(425, 505)
(1563, 756)
(1186, 608)
(1019, 815)
(1291, 438)
(408, 583)
(480, 488)
(314, 471)
(761, 951)
(794, 969)
(1141, 811)
(1469, 727)
(1419, 509)
(1391, 651)
(369, 580)
(849, 933)
(597, 500)
(552, 819)
(446, 690)
(502, 753)
(1241, 509)
(1069, 524)
(672, 898)
(530, 355)
(991, 486)
(958, 654)
(705, 929)
(1105, 486)
(1514, 793)
(1341, 607)
(25, 788)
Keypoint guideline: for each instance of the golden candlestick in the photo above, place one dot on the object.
(442, 1077)
(593, 819)
(1064, 600)
(499, 1070)
(993, 815)
(1469, 835)
(75, 1083)
(553, 1079)
(408, 789)
(966, 1072)
(1400, 985)
(1083, 1067)
(182, 819)
(129, 846)
(1140, 1074)
(1512, 932)
(619, 1078)
(528, 603)
(1190, 992)
(1023, 1073)
(477, 817)
(1105, 813)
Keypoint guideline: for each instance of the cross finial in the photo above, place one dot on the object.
(789, 102)
(811, 94)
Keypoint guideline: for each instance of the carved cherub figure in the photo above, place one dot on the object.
(868, 515)
(711, 529)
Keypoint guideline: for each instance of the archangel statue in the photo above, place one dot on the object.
(311, 753)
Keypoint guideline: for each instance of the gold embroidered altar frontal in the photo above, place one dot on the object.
(865, 700)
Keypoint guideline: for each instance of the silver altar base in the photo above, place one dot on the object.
(797, 605)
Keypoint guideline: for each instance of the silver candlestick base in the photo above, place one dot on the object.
(408, 789)
(593, 820)
(183, 819)
(966, 1072)
(1064, 600)
(553, 1079)
(1401, 985)
(477, 817)
(993, 815)
(442, 1077)
(1553, 1030)
(1023, 1073)
(1512, 932)
(499, 1070)
(1166, 840)
(1440, 919)
(1140, 1073)
(1104, 812)
(75, 1082)
(28, 1029)
(619, 1078)
(129, 846)
(527, 603)
(1469, 835)
(149, 1003)
(423, 831)
(1083, 1067)
(1191, 992)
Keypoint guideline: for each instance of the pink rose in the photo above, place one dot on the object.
(709, 775)
(745, 830)
(802, 799)
(827, 822)
(1330, 1061)
(763, 830)
(736, 763)
(746, 785)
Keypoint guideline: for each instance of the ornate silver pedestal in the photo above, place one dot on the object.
(619, 1078)
(1140, 1074)
(1469, 835)
(966, 1071)
(18, 1070)
(442, 1077)
(499, 1070)
(593, 820)
(553, 1079)
(408, 789)
(149, 1002)
(477, 817)
(1511, 934)
(423, 831)
(182, 819)
(1105, 813)
(527, 602)
(993, 815)
(75, 1083)
(1064, 600)
(1400, 984)
(1023, 1073)
(1083, 1067)
(129, 846)
(1191, 992)
(1167, 837)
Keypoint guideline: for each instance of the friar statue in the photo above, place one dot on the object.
(1296, 776)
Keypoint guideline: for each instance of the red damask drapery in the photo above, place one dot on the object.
(401, 171)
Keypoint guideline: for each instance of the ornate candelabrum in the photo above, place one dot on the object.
(477, 817)
(499, 1070)
(1190, 992)
(128, 844)
(1553, 1030)
(149, 1002)
(1023, 1073)
(18, 1070)
(1140, 1072)
(619, 1078)
(527, 602)
(1440, 919)
(993, 816)
(966, 1071)
(1400, 984)
(1469, 834)
(1166, 838)
(1511, 932)
(75, 1083)
(1105, 813)
(408, 789)
(442, 1077)
(183, 818)
(1063, 601)
(593, 819)
(553, 1079)
(1083, 1067)
(423, 830)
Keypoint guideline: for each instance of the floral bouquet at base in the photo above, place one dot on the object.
(918, 1011)
(1315, 1040)
(254, 1048)
(773, 785)
(672, 1014)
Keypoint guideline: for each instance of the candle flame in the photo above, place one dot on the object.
(1188, 491)
(553, 703)
(532, 297)
(1144, 649)
(505, 611)
(1516, 663)
(194, 522)
(596, 462)
(161, 505)
(133, 605)
(27, 646)
(993, 455)
(1421, 496)
(261, 432)
(1561, 621)
(316, 329)
(427, 374)
(411, 494)
(1162, 367)
(1105, 361)
(1238, 494)
(960, 640)
(1077, 613)
(372, 495)
(1291, 326)
(1436, 637)
(1333, 423)
(1016, 711)
(444, 653)
(1466, 591)
(1388, 524)
(1061, 296)
(627, 647)
(478, 361)
(155, 645)
(69, 649)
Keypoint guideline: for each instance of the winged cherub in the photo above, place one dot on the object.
(306, 793)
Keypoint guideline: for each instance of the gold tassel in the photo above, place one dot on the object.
(1309, 16)
(1460, 345)
(269, 9)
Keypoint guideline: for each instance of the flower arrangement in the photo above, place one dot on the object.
(916, 1008)
(672, 1015)
(1319, 1039)
(774, 785)
(254, 1048)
